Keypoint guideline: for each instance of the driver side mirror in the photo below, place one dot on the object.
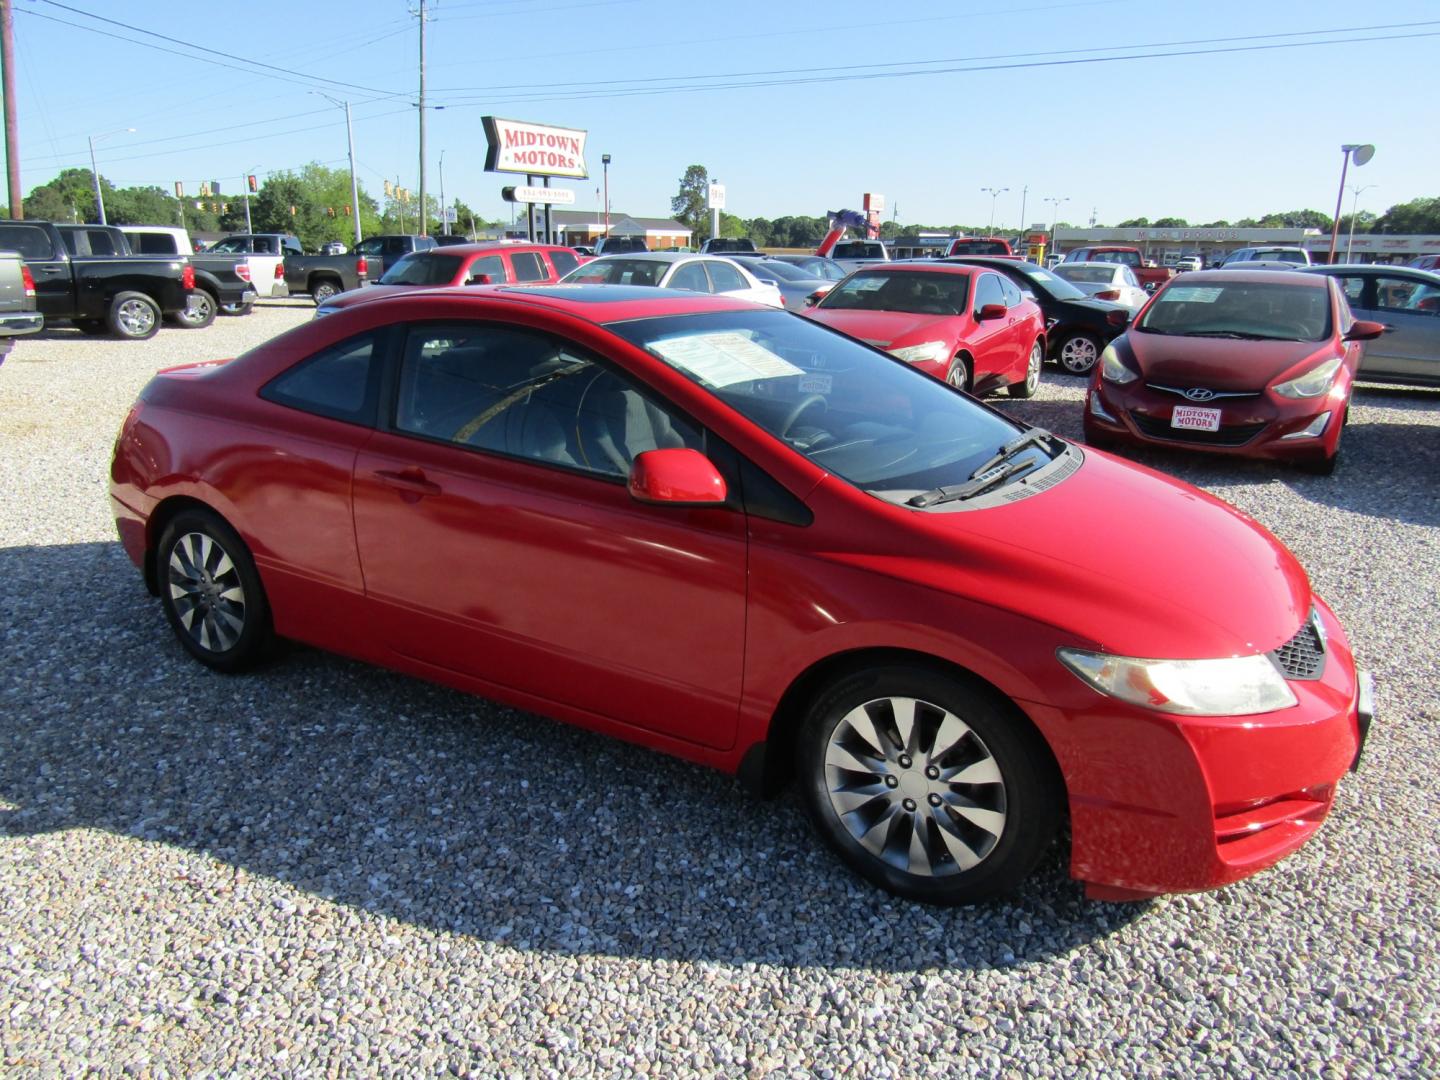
(991, 311)
(1365, 330)
(679, 477)
(1117, 318)
(816, 296)
(481, 279)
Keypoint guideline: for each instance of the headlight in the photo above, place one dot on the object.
(1313, 383)
(1111, 368)
(931, 352)
(1231, 686)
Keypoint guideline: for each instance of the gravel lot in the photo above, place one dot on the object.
(328, 869)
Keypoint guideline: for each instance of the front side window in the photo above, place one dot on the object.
(487, 266)
(374, 246)
(988, 291)
(527, 266)
(1012, 294)
(342, 382)
(918, 292)
(1354, 290)
(528, 395)
(1241, 310)
(724, 277)
(864, 416)
(423, 269)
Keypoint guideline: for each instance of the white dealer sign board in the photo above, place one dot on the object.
(563, 196)
(534, 149)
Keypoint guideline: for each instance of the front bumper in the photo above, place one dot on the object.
(1162, 804)
(1255, 427)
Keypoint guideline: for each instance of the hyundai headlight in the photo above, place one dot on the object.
(1112, 369)
(1313, 383)
(930, 352)
(1230, 686)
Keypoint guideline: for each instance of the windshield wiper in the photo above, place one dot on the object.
(997, 470)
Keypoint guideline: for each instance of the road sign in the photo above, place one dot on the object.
(563, 196)
(716, 200)
(450, 214)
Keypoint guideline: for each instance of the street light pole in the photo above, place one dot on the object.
(994, 194)
(605, 164)
(95, 172)
(444, 210)
(1361, 152)
(1055, 215)
(1354, 208)
(1024, 195)
(423, 212)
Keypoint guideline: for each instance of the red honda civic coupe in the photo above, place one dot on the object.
(1259, 363)
(965, 324)
(735, 535)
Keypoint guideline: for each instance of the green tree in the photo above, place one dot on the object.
(69, 197)
(1170, 223)
(688, 206)
(1415, 216)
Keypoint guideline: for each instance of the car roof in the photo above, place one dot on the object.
(477, 246)
(1375, 268)
(1081, 262)
(917, 265)
(593, 303)
(1256, 277)
(660, 256)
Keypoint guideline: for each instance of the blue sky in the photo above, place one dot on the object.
(1215, 135)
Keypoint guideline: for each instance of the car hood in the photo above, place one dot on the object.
(887, 328)
(1217, 363)
(370, 292)
(1119, 558)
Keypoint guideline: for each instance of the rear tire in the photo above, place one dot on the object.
(1078, 353)
(322, 291)
(211, 592)
(1031, 383)
(926, 785)
(133, 316)
(236, 309)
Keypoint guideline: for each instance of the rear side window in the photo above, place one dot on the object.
(725, 277)
(30, 242)
(148, 243)
(342, 382)
(564, 262)
(527, 266)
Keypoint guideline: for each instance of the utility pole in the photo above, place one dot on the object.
(12, 126)
(444, 209)
(423, 214)
(1024, 195)
(354, 185)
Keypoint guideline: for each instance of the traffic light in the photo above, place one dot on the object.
(254, 187)
(199, 205)
(225, 207)
(292, 211)
(204, 190)
(179, 190)
(388, 189)
(214, 187)
(347, 209)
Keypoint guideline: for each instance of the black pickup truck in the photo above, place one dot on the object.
(127, 295)
(222, 282)
(322, 276)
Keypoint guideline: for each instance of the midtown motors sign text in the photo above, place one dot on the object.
(534, 149)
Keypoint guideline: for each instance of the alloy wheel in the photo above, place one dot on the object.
(1078, 354)
(915, 786)
(136, 317)
(206, 591)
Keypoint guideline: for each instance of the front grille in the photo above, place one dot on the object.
(1235, 435)
(1303, 656)
(1215, 395)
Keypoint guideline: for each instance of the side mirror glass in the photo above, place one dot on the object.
(676, 478)
(1365, 330)
(991, 311)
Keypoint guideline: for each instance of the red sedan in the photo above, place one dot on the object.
(735, 535)
(1259, 363)
(484, 263)
(967, 325)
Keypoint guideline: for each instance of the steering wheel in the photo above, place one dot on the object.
(798, 410)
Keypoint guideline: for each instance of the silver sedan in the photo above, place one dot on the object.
(1407, 302)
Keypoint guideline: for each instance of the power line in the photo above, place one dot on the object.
(199, 48)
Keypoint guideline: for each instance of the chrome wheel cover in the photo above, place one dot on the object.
(1078, 355)
(206, 592)
(323, 293)
(956, 375)
(1032, 370)
(197, 308)
(136, 317)
(915, 786)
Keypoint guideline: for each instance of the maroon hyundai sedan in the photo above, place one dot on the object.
(1258, 363)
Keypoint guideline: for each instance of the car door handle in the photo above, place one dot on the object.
(408, 482)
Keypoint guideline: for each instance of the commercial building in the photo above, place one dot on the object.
(1165, 246)
(576, 228)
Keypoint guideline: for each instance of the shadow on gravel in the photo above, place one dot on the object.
(436, 809)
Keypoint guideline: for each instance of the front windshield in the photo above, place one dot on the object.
(423, 269)
(1093, 274)
(851, 409)
(913, 291)
(617, 271)
(1046, 283)
(1242, 309)
(782, 270)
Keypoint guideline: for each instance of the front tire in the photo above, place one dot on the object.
(133, 316)
(211, 592)
(1078, 353)
(927, 786)
(199, 311)
(1031, 382)
(958, 373)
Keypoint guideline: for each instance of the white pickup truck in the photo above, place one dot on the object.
(230, 294)
(853, 254)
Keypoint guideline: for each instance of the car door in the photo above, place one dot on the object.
(499, 541)
(1022, 326)
(1410, 346)
(54, 296)
(992, 341)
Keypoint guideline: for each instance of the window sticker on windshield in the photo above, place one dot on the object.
(816, 384)
(1194, 294)
(724, 359)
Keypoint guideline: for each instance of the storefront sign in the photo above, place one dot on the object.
(534, 149)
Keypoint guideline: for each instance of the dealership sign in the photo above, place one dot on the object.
(534, 149)
(563, 196)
